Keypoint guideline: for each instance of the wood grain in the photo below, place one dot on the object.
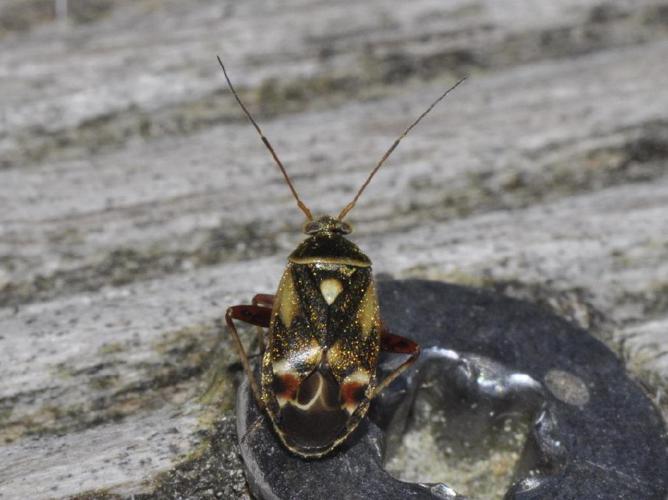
(136, 202)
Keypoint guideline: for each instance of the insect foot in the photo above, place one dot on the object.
(507, 401)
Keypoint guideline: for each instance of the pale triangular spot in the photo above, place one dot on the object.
(330, 289)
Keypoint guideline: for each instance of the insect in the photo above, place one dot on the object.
(325, 334)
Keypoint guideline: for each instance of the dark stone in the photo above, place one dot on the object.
(593, 435)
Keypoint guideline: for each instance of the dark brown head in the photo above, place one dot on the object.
(327, 243)
(327, 224)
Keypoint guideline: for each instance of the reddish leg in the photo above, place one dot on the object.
(266, 300)
(396, 344)
(254, 315)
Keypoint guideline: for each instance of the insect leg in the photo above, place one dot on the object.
(254, 315)
(396, 344)
(266, 300)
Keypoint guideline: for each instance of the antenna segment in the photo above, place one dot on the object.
(300, 203)
(387, 154)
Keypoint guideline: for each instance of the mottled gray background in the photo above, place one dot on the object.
(136, 202)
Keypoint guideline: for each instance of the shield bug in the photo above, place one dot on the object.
(325, 334)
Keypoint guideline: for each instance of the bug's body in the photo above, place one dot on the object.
(319, 367)
(318, 373)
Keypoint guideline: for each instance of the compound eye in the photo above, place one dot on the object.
(312, 227)
(345, 228)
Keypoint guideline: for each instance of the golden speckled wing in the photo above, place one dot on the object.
(319, 367)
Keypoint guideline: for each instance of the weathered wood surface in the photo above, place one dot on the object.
(136, 202)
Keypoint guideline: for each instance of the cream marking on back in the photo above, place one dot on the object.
(361, 377)
(308, 356)
(317, 396)
(287, 298)
(367, 314)
(281, 400)
(330, 289)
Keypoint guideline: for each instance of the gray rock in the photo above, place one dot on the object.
(592, 432)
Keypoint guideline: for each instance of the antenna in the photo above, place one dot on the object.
(300, 204)
(387, 154)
